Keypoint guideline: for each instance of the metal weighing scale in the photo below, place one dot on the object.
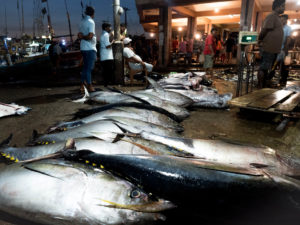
(245, 38)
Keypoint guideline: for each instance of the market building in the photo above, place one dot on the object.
(168, 18)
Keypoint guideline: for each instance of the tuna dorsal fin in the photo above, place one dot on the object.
(154, 84)
(34, 136)
(7, 141)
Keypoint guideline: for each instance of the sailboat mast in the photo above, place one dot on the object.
(69, 22)
(5, 29)
(33, 19)
(23, 27)
(51, 31)
(19, 17)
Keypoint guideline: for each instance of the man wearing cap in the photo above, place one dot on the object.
(135, 62)
(88, 49)
(106, 54)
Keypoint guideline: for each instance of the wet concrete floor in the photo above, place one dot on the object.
(50, 105)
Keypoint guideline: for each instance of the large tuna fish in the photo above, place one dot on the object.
(230, 152)
(207, 99)
(182, 179)
(126, 112)
(57, 192)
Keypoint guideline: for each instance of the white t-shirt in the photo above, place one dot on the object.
(128, 53)
(86, 26)
(105, 53)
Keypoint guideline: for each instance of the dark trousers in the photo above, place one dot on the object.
(284, 73)
(108, 71)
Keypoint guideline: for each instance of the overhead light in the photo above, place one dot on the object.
(298, 3)
(295, 33)
(151, 34)
(295, 20)
(179, 28)
(217, 10)
(197, 36)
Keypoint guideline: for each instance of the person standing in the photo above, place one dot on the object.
(270, 39)
(229, 43)
(287, 30)
(209, 51)
(106, 54)
(88, 49)
(123, 31)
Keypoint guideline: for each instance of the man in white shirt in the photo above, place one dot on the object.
(106, 54)
(134, 61)
(87, 35)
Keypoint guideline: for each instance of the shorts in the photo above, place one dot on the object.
(208, 61)
(267, 60)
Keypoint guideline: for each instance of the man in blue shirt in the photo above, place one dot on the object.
(87, 35)
(106, 54)
(287, 30)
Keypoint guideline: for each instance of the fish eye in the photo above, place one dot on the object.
(135, 193)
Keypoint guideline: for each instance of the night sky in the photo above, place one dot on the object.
(103, 11)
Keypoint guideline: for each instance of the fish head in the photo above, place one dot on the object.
(124, 200)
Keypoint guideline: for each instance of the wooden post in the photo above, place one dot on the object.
(192, 26)
(164, 34)
(118, 47)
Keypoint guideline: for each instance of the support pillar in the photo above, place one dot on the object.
(206, 28)
(209, 28)
(118, 47)
(247, 10)
(191, 27)
(246, 14)
(164, 34)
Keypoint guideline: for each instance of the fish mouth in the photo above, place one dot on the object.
(151, 207)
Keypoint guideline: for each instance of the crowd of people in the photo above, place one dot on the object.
(193, 48)
(136, 51)
(273, 40)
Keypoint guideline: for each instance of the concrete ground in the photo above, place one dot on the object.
(52, 104)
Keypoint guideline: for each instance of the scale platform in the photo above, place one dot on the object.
(270, 100)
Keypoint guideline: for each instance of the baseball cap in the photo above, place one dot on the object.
(126, 41)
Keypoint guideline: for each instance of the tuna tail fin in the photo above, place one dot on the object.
(7, 141)
(154, 84)
(84, 98)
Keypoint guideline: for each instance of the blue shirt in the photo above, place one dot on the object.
(86, 26)
(105, 53)
(287, 30)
